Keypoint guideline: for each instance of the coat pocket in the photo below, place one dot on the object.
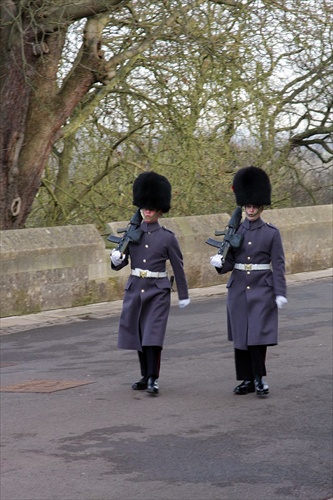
(129, 283)
(269, 281)
(230, 282)
(163, 283)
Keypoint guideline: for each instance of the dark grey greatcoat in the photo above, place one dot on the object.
(251, 309)
(146, 305)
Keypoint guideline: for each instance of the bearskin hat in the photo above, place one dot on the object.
(252, 187)
(152, 191)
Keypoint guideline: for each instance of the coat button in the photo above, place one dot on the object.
(248, 287)
(250, 243)
(146, 246)
(248, 258)
(142, 291)
(248, 272)
(144, 260)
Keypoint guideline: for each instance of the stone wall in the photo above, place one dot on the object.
(61, 267)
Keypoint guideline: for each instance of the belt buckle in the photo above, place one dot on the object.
(248, 267)
(143, 274)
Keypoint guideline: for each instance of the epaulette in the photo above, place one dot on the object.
(169, 230)
(271, 225)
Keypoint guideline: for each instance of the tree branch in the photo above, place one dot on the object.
(297, 139)
(55, 12)
(229, 3)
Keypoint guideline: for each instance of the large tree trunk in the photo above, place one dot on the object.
(15, 95)
(34, 108)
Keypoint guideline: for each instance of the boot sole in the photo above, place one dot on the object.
(152, 392)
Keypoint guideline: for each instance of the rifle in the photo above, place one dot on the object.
(230, 240)
(132, 233)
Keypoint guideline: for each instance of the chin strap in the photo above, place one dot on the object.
(153, 218)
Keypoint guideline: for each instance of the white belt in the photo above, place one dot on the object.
(252, 267)
(143, 273)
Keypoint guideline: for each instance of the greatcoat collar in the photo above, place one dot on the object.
(253, 225)
(149, 227)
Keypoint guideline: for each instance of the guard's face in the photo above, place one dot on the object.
(253, 212)
(150, 215)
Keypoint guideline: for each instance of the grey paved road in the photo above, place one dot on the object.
(196, 440)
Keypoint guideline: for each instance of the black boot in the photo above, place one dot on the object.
(153, 387)
(245, 387)
(141, 385)
(262, 388)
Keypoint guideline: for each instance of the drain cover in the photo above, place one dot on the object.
(43, 386)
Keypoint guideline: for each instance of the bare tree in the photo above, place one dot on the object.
(180, 75)
(35, 103)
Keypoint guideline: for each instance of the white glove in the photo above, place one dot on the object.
(216, 261)
(183, 303)
(116, 257)
(280, 301)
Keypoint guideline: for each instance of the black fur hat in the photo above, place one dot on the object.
(152, 191)
(252, 187)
